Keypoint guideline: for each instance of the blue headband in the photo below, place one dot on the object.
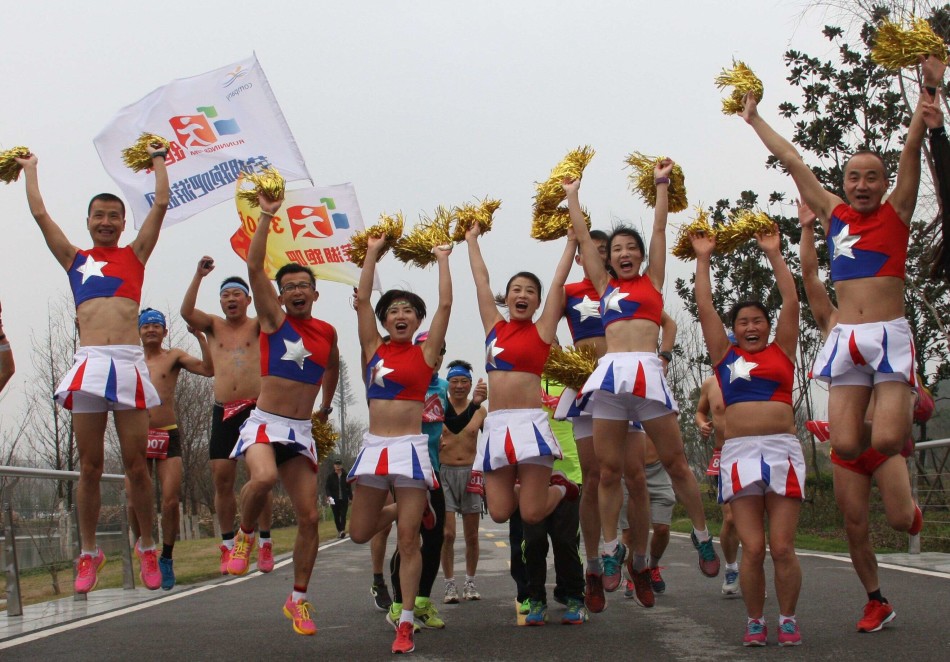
(459, 371)
(233, 285)
(152, 316)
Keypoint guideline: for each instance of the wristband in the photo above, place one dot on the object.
(160, 153)
(661, 180)
(938, 131)
(4, 347)
(666, 355)
(326, 411)
(266, 213)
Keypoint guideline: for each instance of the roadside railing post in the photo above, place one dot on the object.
(128, 574)
(14, 603)
(913, 542)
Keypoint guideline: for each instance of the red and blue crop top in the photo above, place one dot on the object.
(103, 272)
(867, 245)
(398, 371)
(516, 346)
(298, 350)
(765, 376)
(582, 310)
(634, 299)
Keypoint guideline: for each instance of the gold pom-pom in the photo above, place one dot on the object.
(896, 47)
(390, 225)
(9, 168)
(743, 81)
(683, 247)
(742, 226)
(416, 247)
(136, 157)
(269, 182)
(324, 436)
(468, 214)
(550, 193)
(643, 182)
(547, 226)
(570, 366)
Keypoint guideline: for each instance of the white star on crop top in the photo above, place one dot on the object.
(91, 268)
(844, 243)
(587, 308)
(379, 373)
(296, 352)
(612, 300)
(492, 351)
(741, 369)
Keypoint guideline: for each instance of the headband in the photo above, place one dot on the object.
(459, 371)
(151, 316)
(233, 285)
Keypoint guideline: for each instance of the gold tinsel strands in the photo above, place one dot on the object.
(9, 168)
(552, 225)
(683, 248)
(743, 81)
(570, 366)
(550, 193)
(390, 225)
(136, 157)
(416, 247)
(896, 47)
(742, 226)
(269, 182)
(643, 182)
(324, 436)
(468, 214)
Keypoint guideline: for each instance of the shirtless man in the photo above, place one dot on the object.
(109, 371)
(235, 351)
(164, 443)
(710, 403)
(463, 420)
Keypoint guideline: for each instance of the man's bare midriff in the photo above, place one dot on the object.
(236, 354)
(865, 300)
(108, 321)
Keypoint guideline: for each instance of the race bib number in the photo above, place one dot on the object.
(713, 468)
(157, 445)
(432, 411)
(476, 483)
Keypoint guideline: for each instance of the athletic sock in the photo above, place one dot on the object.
(876, 595)
(143, 548)
(595, 567)
(299, 593)
(93, 553)
(167, 551)
(639, 562)
(262, 537)
(733, 567)
(785, 619)
(562, 489)
(449, 580)
(378, 579)
(227, 539)
(701, 536)
(760, 619)
(610, 547)
(406, 616)
(470, 578)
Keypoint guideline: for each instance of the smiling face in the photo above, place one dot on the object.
(523, 298)
(234, 303)
(460, 387)
(106, 222)
(152, 334)
(751, 328)
(297, 294)
(865, 182)
(401, 321)
(626, 256)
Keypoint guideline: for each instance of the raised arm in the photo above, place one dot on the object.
(331, 377)
(715, 336)
(269, 313)
(193, 317)
(818, 300)
(432, 347)
(904, 196)
(202, 366)
(145, 240)
(812, 192)
(656, 269)
(940, 152)
(56, 240)
(786, 328)
(554, 303)
(7, 367)
(487, 308)
(593, 262)
(368, 332)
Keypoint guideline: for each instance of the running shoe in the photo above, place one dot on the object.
(403, 642)
(560, 478)
(730, 585)
(918, 521)
(265, 557)
(300, 613)
(426, 614)
(537, 612)
(788, 634)
(594, 598)
(522, 607)
(469, 592)
(393, 614)
(642, 588)
(876, 615)
(628, 590)
(656, 580)
(708, 559)
(240, 560)
(611, 564)
(167, 568)
(428, 515)
(820, 429)
(225, 558)
(381, 597)
(756, 634)
(576, 613)
(87, 571)
(150, 574)
(451, 593)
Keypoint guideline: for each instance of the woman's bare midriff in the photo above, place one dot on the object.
(513, 390)
(395, 418)
(632, 336)
(755, 419)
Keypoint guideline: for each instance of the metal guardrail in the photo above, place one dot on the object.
(913, 544)
(14, 598)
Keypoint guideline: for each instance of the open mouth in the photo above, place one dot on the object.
(401, 326)
(521, 306)
(753, 338)
(626, 264)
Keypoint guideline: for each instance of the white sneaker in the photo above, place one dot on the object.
(469, 592)
(451, 593)
(730, 585)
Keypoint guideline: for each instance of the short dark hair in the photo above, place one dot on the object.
(389, 296)
(599, 235)
(460, 362)
(294, 268)
(739, 305)
(237, 280)
(500, 299)
(105, 197)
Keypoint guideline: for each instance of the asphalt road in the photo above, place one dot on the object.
(242, 619)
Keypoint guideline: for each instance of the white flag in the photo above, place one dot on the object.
(219, 124)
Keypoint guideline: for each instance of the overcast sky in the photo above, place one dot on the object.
(416, 103)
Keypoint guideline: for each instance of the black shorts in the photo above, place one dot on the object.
(224, 434)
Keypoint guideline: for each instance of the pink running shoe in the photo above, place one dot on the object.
(265, 558)
(820, 429)
(87, 571)
(299, 612)
(756, 634)
(918, 521)
(150, 573)
(240, 561)
(789, 634)
(225, 558)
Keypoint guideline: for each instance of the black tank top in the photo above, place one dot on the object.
(456, 422)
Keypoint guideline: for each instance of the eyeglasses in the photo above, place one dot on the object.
(290, 287)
